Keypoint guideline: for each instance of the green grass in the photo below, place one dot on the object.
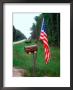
(23, 60)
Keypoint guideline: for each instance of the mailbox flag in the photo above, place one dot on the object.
(44, 38)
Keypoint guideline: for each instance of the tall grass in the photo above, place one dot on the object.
(23, 60)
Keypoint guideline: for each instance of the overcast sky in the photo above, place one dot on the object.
(24, 21)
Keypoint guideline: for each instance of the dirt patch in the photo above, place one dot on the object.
(17, 72)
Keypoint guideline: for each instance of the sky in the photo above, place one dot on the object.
(24, 21)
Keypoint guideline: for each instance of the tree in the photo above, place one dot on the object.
(52, 26)
(17, 35)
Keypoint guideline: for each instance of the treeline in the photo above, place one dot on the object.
(17, 35)
(52, 26)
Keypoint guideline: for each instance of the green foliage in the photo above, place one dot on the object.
(53, 27)
(23, 60)
(17, 35)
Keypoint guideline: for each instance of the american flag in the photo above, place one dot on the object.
(44, 38)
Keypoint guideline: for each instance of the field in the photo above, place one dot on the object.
(25, 61)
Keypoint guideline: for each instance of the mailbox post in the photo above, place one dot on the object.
(32, 50)
(34, 63)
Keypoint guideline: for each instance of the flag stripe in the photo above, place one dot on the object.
(44, 38)
(43, 33)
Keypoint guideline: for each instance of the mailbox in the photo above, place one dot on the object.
(31, 49)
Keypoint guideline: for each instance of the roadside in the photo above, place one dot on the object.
(17, 72)
(17, 42)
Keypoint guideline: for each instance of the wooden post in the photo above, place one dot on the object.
(32, 50)
(34, 63)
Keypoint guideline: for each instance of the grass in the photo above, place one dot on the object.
(23, 60)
